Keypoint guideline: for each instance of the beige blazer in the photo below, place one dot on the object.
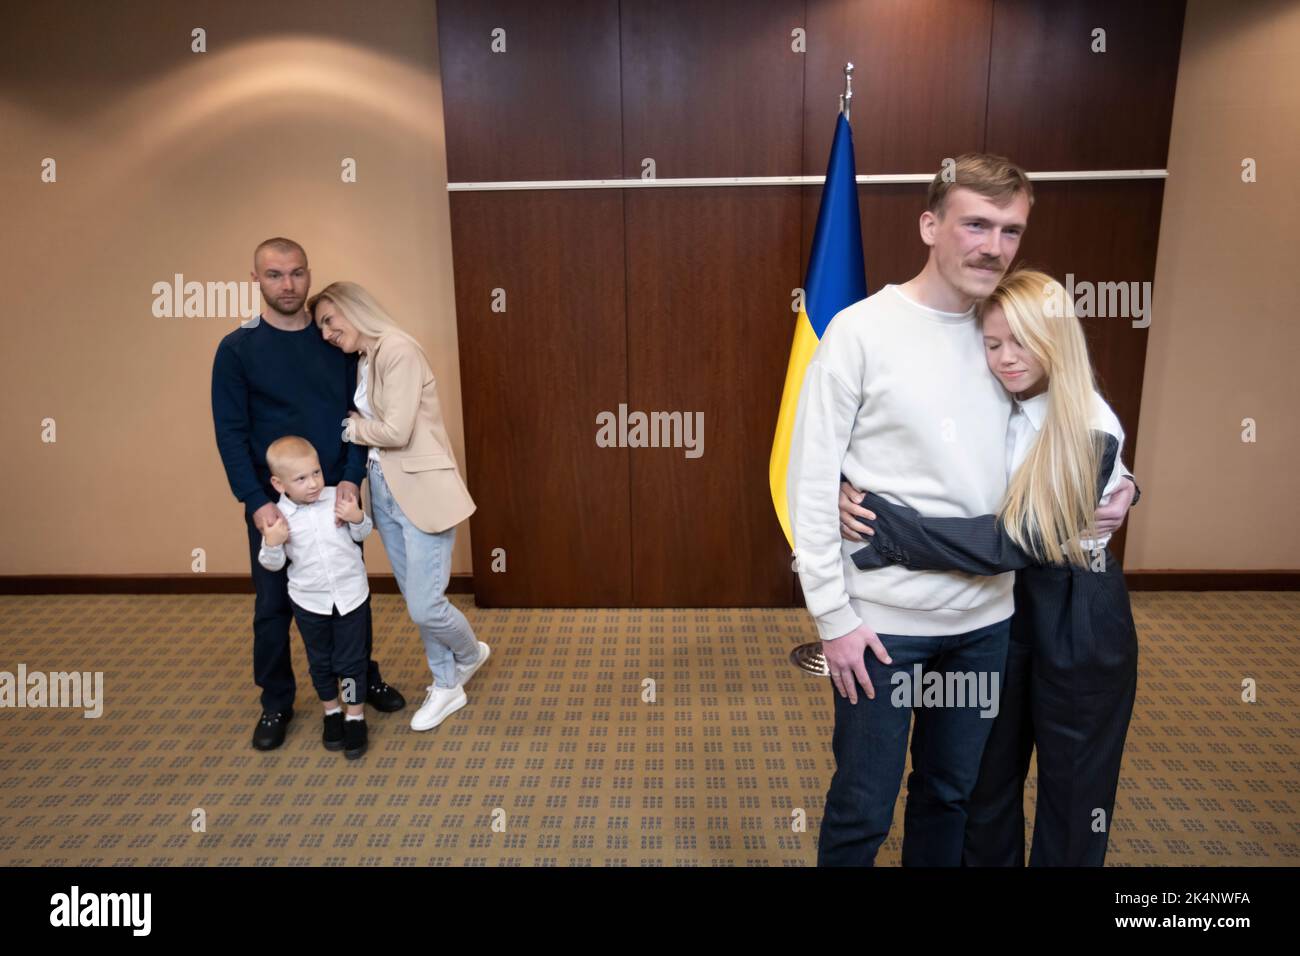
(408, 431)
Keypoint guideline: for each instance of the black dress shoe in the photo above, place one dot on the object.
(355, 738)
(269, 732)
(332, 736)
(384, 698)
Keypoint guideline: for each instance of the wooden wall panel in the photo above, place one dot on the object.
(919, 87)
(678, 300)
(712, 89)
(710, 272)
(546, 108)
(1054, 104)
(534, 379)
(710, 275)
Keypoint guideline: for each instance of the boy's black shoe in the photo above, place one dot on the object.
(332, 736)
(355, 738)
(270, 729)
(384, 698)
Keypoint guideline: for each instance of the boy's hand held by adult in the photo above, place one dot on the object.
(347, 509)
(264, 515)
(276, 532)
(347, 492)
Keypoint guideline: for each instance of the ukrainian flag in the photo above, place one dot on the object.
(836, 279)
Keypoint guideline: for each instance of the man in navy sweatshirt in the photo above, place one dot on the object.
(277, 376)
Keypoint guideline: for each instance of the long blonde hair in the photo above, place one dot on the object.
(361, 309)
(1052, 496)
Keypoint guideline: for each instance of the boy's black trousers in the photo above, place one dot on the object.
(336, 650)
(272, 612)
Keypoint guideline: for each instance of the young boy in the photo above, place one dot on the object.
(327, 584)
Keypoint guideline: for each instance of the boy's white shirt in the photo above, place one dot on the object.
(326, 568)
(898, 398)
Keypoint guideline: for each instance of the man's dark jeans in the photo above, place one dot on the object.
(272, 612)
(870, 746)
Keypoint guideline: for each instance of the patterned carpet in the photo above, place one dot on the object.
(592, 738)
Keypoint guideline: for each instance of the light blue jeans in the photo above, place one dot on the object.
(422, 565)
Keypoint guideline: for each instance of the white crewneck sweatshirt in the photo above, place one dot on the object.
(897, 397)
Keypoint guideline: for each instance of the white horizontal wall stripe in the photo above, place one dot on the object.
(1068, 175)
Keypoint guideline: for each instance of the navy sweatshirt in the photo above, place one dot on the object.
(268, 383)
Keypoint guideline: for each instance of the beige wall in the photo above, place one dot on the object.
(170, 161)
(1225, 332)
(175, 162)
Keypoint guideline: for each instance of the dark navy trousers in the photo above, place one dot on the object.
(871, 742)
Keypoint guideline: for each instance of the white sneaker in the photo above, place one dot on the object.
(466, 671)
(439, 704)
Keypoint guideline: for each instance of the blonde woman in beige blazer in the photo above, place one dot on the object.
(416, 495)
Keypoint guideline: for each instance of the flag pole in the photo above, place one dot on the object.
(809, 657)
(846, 98)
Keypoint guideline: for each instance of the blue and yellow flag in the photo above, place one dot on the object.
(836, 279)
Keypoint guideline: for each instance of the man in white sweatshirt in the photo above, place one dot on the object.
(897, 398)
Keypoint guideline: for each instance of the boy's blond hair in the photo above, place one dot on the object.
(283, 452)
(993, 177)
